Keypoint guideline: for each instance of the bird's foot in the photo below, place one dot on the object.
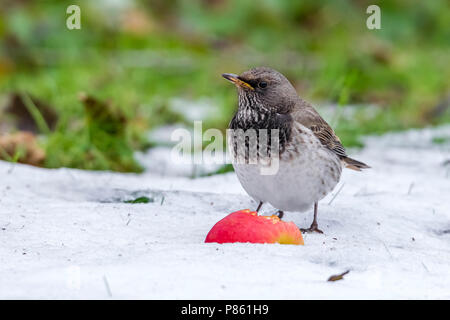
(311, 229)
(259, 206)
(280, 214)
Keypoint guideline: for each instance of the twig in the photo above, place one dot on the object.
(105, 281)
(425, 267)
(336, 194)
(387, 249)
(337, 277)
(411, 186)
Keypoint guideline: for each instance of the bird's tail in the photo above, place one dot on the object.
(354, 164)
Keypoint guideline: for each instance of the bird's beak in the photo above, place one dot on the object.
(238, 82)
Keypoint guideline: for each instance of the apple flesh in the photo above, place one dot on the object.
(247, 226)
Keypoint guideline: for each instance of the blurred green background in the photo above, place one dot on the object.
(91, 95)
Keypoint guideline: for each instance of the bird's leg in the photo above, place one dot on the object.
(280, 214)
(314, 226)
(259, 206)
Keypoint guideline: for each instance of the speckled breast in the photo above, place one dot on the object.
(307, 172)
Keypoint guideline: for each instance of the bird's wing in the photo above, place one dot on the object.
(328, 138)
(309, 118)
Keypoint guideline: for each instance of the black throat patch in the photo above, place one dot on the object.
(250, 119)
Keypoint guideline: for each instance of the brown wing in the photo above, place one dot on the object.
(328, 138)
(309, 117)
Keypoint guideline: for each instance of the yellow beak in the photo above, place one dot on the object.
(235, 79)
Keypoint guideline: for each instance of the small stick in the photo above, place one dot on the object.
(387, 249)
(425, 267)
(410, 187)
(105, 281)
(337, 277)
(336, 194)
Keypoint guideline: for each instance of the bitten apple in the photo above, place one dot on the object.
(247, 226)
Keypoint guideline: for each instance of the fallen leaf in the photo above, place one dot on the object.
(21, 147)
(337, 277)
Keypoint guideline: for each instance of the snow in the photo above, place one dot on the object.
(67, 233)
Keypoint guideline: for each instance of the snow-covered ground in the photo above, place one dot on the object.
(67, 233)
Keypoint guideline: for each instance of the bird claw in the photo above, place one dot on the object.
(280, 214)
(313, 228)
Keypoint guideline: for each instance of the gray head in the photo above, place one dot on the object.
(264, 89)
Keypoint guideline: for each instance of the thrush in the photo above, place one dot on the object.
(310, 155)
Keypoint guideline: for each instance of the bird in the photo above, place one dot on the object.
(310, 154)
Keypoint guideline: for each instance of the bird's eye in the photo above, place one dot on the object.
(262, 84)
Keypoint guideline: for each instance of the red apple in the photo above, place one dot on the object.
(247, 226)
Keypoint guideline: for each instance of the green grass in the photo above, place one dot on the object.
(400, 72)
(441, 140)
(140, 200)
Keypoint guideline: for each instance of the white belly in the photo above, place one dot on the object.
(303, 177)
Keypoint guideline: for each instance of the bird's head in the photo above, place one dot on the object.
(263, 89)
